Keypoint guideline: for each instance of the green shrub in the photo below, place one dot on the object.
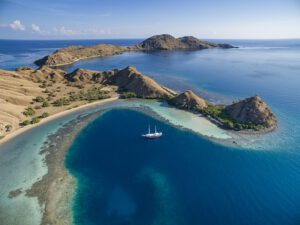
(25, 123)
(29, 112)
(44, 115)
(35, 120)
(45, 104)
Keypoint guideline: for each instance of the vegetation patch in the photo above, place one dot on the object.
(217, 113)
(45, 104)
(35, 120)
(39, 99)
(25, 123)
(125, 95)
(29, 112)
(44, 115)
(8, 127)
(61, 102)
(90, 95)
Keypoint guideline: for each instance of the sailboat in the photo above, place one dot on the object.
(152, 135)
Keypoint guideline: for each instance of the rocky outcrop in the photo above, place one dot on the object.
(252, 110)
(72, 54)
(127, 80)
(168, 42)
(83, 75)
(189, 101)
(130, 80)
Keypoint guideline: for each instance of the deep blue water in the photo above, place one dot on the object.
(178, 179)
(183, 178)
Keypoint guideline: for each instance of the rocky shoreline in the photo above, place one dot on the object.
(56, 189)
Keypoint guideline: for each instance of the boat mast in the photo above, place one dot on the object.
(155, 129)
(148, 129)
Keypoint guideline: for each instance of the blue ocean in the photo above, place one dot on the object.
(184, 178)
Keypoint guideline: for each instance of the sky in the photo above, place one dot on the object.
(99, 19)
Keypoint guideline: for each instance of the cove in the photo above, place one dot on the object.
(180, 178)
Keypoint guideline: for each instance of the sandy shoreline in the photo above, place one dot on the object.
(53, 117)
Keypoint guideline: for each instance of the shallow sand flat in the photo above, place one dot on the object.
(187, 120)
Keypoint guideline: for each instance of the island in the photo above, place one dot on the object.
(72, 54)
(30, 95)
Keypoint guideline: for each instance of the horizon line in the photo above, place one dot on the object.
(90, 39)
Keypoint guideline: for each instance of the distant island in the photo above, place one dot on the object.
(30, 95)
(164, 42)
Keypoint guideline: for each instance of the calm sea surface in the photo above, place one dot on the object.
(183, 178)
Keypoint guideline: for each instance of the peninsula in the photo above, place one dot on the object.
(30, 95)
(72, 54)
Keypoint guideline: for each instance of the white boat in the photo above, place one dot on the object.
(152, 135)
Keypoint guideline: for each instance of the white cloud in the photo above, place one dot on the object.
(35, 28)
(64, 31)
(59, 30)
(17, 25)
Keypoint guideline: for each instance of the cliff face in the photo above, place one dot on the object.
(252, 110)
(188, 100)
(130, 80)
(72, 54)
(168, 42)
